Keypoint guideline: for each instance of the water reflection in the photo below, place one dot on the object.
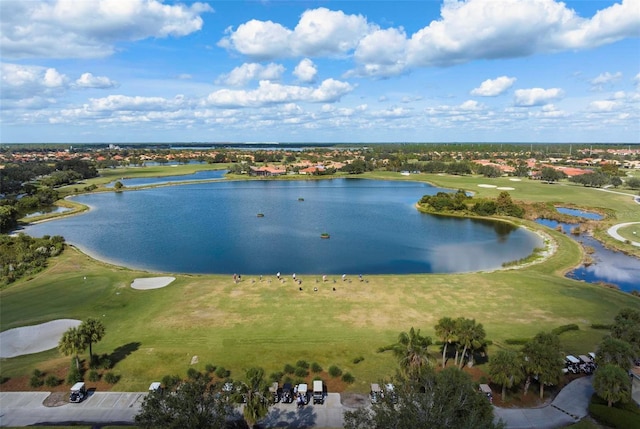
(579, 213)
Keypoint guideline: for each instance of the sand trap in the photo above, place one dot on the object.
(152, 283)
(516, 180)
(482, 185)
(34, 339)
(505, 188)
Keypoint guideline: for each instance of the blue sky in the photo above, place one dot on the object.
(320, 71)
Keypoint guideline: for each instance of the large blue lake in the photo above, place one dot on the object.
(214, 228)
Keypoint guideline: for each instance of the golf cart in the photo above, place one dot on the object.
(390, 391)
(485, 389)
(572, 364)
(78, 392)
(376, 393)
(318, 392)
(287, 394)
(303, 395)
(274, 389)
(155, 387)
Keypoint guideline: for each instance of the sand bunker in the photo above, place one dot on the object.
(152, 283)
(482, 185)
(34, 339)
(505, 188)
(516, 180)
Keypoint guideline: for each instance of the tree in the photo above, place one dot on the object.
(626, 327)
(506, 368)
(72, 343)
(446, 331)
(471, 336)
(616, 352)
(543, 360)
(411, 351)
(616, 181)
(195, 404)
(550, 175)
(256, 393)
(118, 186)
(447, 399)
(92, 330)
(612, 384)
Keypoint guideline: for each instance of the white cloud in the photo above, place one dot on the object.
(306, 70)
(603, 106)
(471, 105)
(319, 32)
(88, 80)
(494, 87)
(24, 82)
(247, 72)
(88, 29)
(330, 90)
(606, 77)
(382, 53)
(536, 96)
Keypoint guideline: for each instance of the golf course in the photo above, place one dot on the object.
(200, 320)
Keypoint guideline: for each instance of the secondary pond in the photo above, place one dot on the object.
(608, 266)
(214, 227)
(579, 213)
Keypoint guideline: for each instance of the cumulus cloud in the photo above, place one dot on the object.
(306, 70)
(494, 87)
(382, 53)
(247, 72)
(86, 29)
(603, 106)
(536, 96)
(606, 77)
(88, 80)
(318, 32)
(20, 81)
(267, 93)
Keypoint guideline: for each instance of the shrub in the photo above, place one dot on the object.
(301, 372)
(210, 368)
(170, 381)
(94, 375)
(52, 381)
(105, 363)
(276, 376)
(564, 328)
(111, 378)
(302, 364)
(4, 379)
(334, 371)
(602, 326)
(74, 374)
(193, 374)
(288, 379)
(348, 378)
(315, 367)
(222, 372)
(358, 359)
(35, 381)
(289, 369)
(37, 373)
(614, 417)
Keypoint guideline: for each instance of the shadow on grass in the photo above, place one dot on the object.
(122, 352)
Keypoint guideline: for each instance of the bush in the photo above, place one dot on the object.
(302, 364)
(52, 381)
(564, 328)
(358, 359)
(301, 372)
(210, 368)
(170, 381)
(37, 373)
(111, 378)
(602, 326)
(193, 374)
(35, 381)
(334, 371)
(315, 367)
(276, 376)
(614, 417)
(348, 378)
(221, 372)
(74, 374)
(94, 376)
(289, 369)
(105, 363)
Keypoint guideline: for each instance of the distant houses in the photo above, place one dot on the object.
(266, 171)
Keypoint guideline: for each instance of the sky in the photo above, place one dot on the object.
(118, 71)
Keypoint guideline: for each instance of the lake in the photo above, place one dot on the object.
(214, 228)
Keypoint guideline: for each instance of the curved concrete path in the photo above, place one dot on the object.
(613, 231)
(567, 408)
(26, 409)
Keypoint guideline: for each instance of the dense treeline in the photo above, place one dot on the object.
(460, 202)
(24, 255)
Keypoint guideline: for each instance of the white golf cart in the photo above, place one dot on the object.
(318, 392)
(78, 392)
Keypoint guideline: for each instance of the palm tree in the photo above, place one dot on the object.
(614, 351)
(470, 336)
(72, 343)
(411, 351)
(257, 396)
(446, 331)
(505, 368)
(612, 384)
(543, 359)
(92, 330)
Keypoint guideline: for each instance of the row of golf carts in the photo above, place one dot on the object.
(299, 393)
(585, 364)
(377, 394)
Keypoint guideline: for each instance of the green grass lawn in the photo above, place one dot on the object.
(630, 232)
(269, 324)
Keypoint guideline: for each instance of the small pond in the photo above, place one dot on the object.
(147, 181)
(49, 210)
(579, 213)
(608, 266)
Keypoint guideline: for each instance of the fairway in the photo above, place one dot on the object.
(267, 323)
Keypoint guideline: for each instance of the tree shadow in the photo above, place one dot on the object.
(123, 351)
(298, 419)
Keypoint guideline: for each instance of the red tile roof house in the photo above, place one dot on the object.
(266, 171)
(311, 170)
